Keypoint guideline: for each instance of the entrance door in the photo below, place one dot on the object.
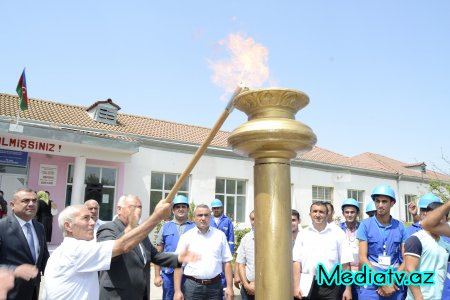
(9, 183)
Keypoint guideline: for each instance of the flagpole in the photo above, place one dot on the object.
(23, 93)
(18, 115)
(200, 151)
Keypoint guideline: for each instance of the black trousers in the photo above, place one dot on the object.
(324, 292)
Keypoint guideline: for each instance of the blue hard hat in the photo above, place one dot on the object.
(370, 207)
(180, 199)
(383, 190)
(216, 203)
(427, 199)
(350, 201)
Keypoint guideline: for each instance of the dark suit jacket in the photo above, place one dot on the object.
(129, 278)
(14, 251)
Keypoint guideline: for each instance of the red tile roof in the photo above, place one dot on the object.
(77, 116)
(132, 127)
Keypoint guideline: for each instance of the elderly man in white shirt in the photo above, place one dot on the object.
(203, 279)
(320, 243)
(72, 269)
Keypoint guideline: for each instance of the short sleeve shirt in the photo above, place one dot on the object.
(72, 269)
(213, 248)
(246, 255)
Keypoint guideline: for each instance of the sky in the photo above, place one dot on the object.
(377, 72)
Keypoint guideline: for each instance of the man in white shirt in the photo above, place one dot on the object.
(72, 269)
(203, 280)
(295, 222)
(320, 243)
(246, 262)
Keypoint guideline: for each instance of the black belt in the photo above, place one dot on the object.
(205, 281)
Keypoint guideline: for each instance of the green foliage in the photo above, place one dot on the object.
(440, 189)
(155, 232)
(191, 211)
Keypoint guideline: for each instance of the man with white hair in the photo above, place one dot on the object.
(72, 269)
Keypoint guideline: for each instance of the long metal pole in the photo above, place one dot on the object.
(273, 246)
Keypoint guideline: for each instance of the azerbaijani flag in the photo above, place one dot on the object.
(21, 90)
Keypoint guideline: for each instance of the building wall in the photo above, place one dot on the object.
(202, 189)
(134, 176)
(58, 191)
(303, 179)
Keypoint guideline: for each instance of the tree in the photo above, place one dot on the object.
(439, 187)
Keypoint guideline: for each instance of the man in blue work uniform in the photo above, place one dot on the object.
(350, 210)
(371, 210)
(167, 241)
(424, 201)
(381, 245)
(220, 221)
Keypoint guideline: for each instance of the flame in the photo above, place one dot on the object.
(247, 64)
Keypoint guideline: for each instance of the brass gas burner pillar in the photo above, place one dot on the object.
(272, 137)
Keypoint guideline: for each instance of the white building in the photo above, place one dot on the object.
(77, 153)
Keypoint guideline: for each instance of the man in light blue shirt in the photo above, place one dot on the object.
(426, 252)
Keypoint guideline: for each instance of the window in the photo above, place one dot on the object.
(409, 199)
(358, 195)
(100, 185)
(13, 169)
(232, 193)
(161, 184)
(322, 193)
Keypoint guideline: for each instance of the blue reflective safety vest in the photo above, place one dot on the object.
(226, 226)
(170, 238)
(413, 229)
(378, 235)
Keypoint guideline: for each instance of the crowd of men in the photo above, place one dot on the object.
(193, 259)
(379, 243)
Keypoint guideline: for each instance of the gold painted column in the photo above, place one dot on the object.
(272, 137)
